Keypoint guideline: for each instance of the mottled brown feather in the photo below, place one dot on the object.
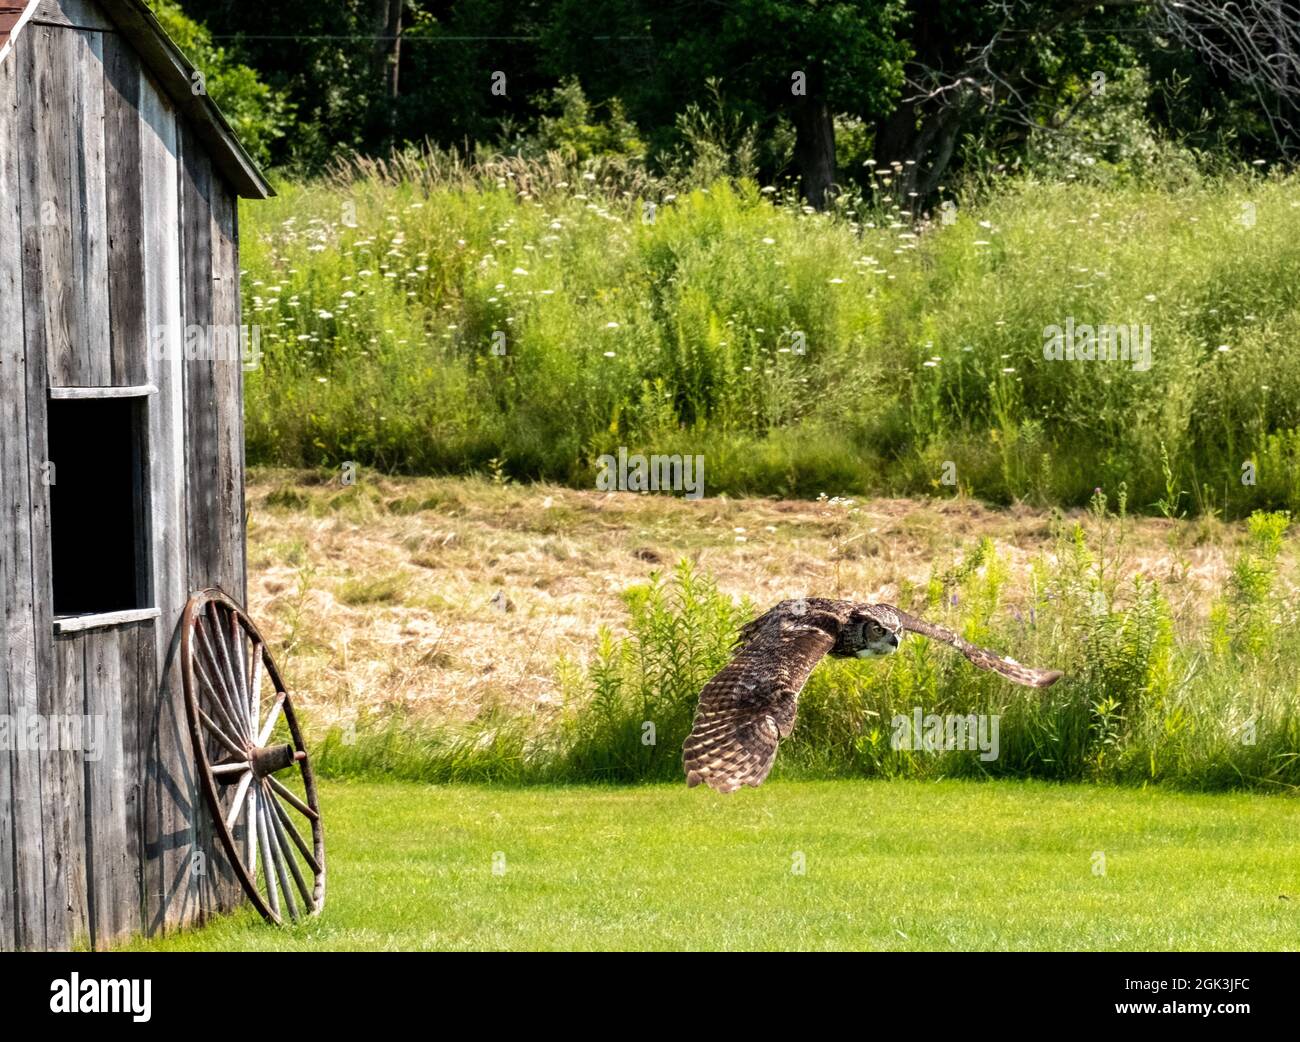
(750, 705)
(982, 657)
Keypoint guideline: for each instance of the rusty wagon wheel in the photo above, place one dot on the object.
(245, 734)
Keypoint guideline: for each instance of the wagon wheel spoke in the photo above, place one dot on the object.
(215, 730)
(264, 842)
(255, 684)
(240, 665)
(238, 803)
(271, 718)
(224, 653)
(280, 832)
(250, 832)
(283, 816)
(216, 700)
(281, 875)
(293, 800)
(244, 729)
(286, 857)
(215, 682)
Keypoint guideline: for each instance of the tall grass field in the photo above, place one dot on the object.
(425, 315)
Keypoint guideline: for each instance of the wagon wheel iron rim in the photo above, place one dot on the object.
(239, 716)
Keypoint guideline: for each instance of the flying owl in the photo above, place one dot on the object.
(747, 709)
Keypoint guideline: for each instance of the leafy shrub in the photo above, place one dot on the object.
(569, 125)
(629, 712)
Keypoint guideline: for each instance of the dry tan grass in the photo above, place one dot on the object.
(440, 596)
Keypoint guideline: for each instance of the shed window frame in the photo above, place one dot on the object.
(145, 597)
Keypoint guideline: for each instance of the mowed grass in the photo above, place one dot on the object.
(887, 865)
(379, 596)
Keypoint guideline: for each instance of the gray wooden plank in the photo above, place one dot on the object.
(119, 391)
(228, 378)
(139, 646)
(66, 913)
(13, 439)
(90, 205)
(137, 743)
(201, 405)
(170, 788)
(8, 880)
(125, 212)
(8, 877)
(140, 496)
(112, 887)
(79, 623)
(125, 222)
(24, 535)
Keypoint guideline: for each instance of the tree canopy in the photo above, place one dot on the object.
(929, 86)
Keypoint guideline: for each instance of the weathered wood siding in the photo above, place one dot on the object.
(116, 235)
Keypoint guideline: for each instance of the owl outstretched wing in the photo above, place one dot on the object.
(748, 707)
(982, 657)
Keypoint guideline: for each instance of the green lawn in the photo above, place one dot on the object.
(888, 865)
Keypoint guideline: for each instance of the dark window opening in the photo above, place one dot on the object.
(97, 505)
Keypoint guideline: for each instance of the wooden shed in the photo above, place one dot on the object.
(121, 464)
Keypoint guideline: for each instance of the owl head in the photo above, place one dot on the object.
(871, 632)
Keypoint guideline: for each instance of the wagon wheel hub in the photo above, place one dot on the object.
(239, 714)
(273, 758)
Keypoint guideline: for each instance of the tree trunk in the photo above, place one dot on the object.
(922, 139)
(386, 18)
(814, 151)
